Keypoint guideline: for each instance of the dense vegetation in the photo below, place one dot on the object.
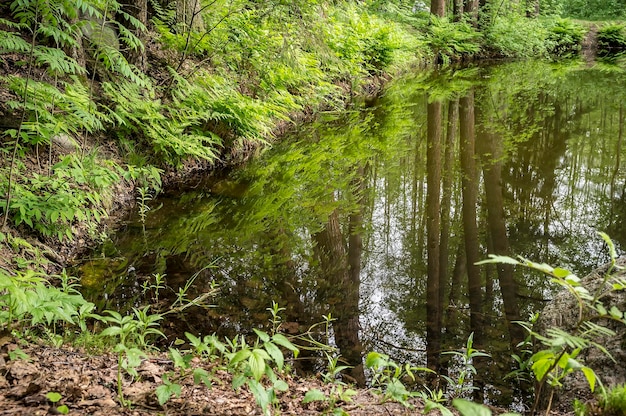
(99, 97)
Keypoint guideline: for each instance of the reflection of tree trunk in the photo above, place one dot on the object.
(492, 172)
(355, 251)
(433, 168)
(446, 199)
(333, 257)
(285, 272)
(470, 198)
(469, 179)
(618, 153)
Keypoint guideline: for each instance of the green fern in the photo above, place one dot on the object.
(12, 43)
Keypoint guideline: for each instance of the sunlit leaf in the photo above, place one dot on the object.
(467, 408)
(263, 336)
(275, 353)
(314, 395)
(590, 375)
(257, 360)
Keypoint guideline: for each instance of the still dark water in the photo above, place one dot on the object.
(353, 213)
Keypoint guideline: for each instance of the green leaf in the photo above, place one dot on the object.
(257, 361)
(63, 409)
(263, 336)
(609, 243)
(262, 396)
(560, 272)
(275, 353)
(467, 408)
(240, 356)
(239, 380)
(111, 331)
(281, 385)
(590, 375)
(163, 394)
(53, 396)
(498, 259)
(375, 360)
(314, 395)
(616, 313)
(281, 340)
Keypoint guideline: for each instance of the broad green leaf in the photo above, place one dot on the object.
(432, 405)
(201, 375)
(541, 367)
(375, 360)
(63, 409)
(240, 356)
(467, 408)
(262, 396)
(616, 313)
(53, 396)
(263, 336)
(281, 340)
(111, 331)
(275, 353)
(314, 395)
(281, 385)
(163, 394)
(560, 272)
(609, 243)
(239, 380)
(590, 375)
(257, 360)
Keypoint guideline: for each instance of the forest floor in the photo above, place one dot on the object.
(88, 386)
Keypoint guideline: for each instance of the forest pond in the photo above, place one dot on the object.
(378, 214)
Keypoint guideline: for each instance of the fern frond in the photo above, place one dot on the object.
(11, 24)
(57, 61)
(11, 42)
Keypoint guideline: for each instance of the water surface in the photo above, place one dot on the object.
(376, 216)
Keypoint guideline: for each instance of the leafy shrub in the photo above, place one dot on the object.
(72, 192)
(28, 299)
(611, 39)
(565, 37)
(614, 403)
(452, 41)
(594, 9)
(516, 36)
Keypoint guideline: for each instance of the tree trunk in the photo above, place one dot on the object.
(139, 10)
(438, 7)
(457, 10)
(188, 14)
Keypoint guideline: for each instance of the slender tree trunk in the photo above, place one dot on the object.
(433, 167)
(331, 248)
(491, 153)
(471, 9)
(470, 200)
(446, 200)
(188, 14)
(139, 10)
(438, 7)
(457, 9)
(470, 229)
